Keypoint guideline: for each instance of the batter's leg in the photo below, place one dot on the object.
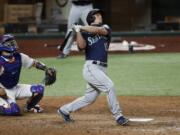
(89, 97)
(97, 77)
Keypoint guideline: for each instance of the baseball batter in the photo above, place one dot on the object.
(95, 39)
(11, 63)
(78, 12)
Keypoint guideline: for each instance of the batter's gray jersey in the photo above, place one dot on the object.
(78, 13)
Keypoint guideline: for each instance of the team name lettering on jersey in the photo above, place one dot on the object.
(92, 40)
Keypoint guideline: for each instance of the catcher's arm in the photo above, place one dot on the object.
(50, 73)
(39, 65)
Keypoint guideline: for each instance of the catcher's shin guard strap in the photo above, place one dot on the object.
(39, 89)
(13, 110)
(34, 100)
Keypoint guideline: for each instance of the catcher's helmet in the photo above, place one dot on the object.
(8, 43)
(90, 17)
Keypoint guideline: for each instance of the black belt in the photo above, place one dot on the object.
(81, 3)
(100, 63)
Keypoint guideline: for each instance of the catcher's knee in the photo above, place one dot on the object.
(37, 89)
(12, 110)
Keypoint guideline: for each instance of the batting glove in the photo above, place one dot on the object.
(77, 28)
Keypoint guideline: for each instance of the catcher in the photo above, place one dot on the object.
(11, 62)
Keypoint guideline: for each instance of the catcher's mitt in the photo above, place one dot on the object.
(50, 76)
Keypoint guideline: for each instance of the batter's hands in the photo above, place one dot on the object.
(77, 28)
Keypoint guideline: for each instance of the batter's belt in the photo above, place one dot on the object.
(103, 64)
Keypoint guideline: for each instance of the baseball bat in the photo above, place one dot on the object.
(65, 40)
(58, 46)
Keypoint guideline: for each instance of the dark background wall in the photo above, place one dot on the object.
(124, 15)
(132, 15)
(163, 8)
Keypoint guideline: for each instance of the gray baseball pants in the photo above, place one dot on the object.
(97, 82)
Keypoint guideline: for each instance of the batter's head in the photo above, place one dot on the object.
(90, 17)
(8, 43)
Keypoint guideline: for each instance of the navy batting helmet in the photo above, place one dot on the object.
(90, 17)
(8, 43)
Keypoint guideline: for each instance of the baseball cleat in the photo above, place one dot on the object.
(35, 109)
(66, 117)
(122, 121)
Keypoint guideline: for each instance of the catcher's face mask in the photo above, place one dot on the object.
(8, 43)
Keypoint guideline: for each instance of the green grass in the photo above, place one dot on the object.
(133, 74)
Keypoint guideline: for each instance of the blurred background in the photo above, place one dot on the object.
(38, 23)
(41, 16)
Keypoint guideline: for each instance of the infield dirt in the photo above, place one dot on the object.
(97, 120)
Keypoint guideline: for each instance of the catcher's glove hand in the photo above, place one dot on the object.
(50, 76)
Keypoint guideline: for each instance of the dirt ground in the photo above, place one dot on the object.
(97, 120)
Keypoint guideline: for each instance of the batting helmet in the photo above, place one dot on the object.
(8, 43)
(90, 17)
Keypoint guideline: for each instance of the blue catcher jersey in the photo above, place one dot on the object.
(12, 70)
(97, 45)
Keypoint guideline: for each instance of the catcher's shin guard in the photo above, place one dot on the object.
(37, 91)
